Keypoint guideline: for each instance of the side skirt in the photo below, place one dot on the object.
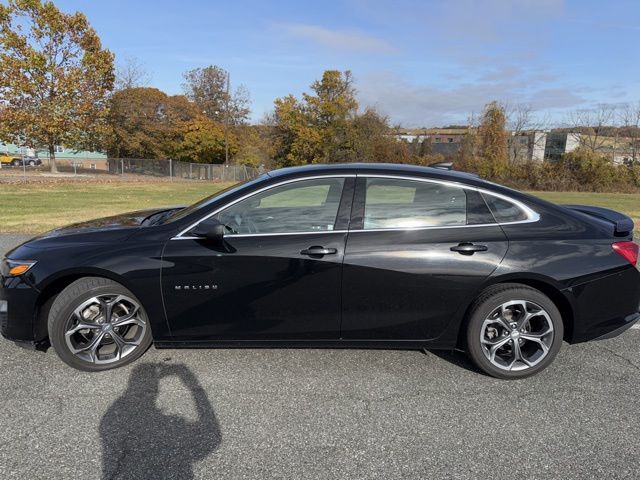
(373, 344)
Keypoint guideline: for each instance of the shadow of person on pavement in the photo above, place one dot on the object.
(141, 441)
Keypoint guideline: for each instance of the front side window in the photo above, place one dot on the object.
(397, 203)
(302, 206)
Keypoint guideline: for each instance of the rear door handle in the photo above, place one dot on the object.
(319, 251)
(466, 248)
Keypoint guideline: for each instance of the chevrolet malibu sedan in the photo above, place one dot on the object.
(375, 256)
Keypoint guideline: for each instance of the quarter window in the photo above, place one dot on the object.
(397, 203)
(303, 206)
(504, 211)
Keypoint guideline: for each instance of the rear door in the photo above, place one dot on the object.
(417, 250)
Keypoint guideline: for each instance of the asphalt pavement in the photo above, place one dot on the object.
(320, 414)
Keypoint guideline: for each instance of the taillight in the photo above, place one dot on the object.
(629, 250)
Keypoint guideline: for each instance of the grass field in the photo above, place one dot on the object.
(35, 208)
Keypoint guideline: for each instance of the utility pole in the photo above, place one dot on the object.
(226, 123)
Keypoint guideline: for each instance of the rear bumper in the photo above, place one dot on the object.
(605, 307)
(630, 321)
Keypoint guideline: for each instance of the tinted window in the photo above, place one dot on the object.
(303, 206)
(206, 202)
(504, 211)
(394, 203)
(477, 211)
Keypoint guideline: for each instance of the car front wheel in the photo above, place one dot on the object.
(97, 324)
(514, 331)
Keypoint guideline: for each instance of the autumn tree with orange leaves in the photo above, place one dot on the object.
(55, 78)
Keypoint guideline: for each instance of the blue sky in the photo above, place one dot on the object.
(422, 63)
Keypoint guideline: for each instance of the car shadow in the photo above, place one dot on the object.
(458, 358)
(139, 440)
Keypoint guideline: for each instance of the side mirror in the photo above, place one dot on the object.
(211, 230)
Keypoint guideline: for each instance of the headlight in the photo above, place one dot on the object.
(15, 268)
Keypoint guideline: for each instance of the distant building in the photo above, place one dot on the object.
(559, 143)
(435, 135)
(533, 145)
(528, 146)
(64, 156)
(445, 141)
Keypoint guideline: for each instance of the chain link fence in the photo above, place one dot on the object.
(182, 170)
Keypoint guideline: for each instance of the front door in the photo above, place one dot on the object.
(401, 278)
(278, 274)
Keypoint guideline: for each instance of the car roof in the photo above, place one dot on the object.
(383, 168)
(408, 170)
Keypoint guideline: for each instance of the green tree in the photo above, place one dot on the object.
(55, 77)
(254, 146)
(297, 139)
(325, 127)
(204, 142)
(207, 87)
(493, 141)
(333, 108)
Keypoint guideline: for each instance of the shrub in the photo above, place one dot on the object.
(580, 170)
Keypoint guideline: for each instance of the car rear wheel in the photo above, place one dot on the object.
(514, 331)
(97, 324)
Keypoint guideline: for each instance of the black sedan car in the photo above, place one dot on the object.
(382, 256)
(26, 161)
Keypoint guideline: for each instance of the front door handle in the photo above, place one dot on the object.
(467, 248)
(318, 251)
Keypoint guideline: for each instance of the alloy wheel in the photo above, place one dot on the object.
(105, 328)
(517, 335)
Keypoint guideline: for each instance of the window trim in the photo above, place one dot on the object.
(180, 236)
(532, 215)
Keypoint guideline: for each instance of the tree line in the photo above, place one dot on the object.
(59, 86)
(485, 150)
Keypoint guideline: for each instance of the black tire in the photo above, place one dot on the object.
(16, 163)
(490, 300)
(32, 163)
(71, 298)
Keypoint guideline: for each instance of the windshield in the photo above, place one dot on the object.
(205, 202)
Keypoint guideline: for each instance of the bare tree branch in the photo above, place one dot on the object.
(630, 122)
(131, 73)
(592, 125)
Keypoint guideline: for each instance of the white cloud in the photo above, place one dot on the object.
(422, 105)
(340, 39)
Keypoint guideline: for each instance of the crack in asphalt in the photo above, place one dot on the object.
(622, 357)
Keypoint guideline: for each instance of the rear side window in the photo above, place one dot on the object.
(398, 203)
(505, 211)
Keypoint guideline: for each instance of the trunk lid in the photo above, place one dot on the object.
(621, 223)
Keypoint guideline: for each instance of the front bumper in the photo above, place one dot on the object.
(18, 311)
